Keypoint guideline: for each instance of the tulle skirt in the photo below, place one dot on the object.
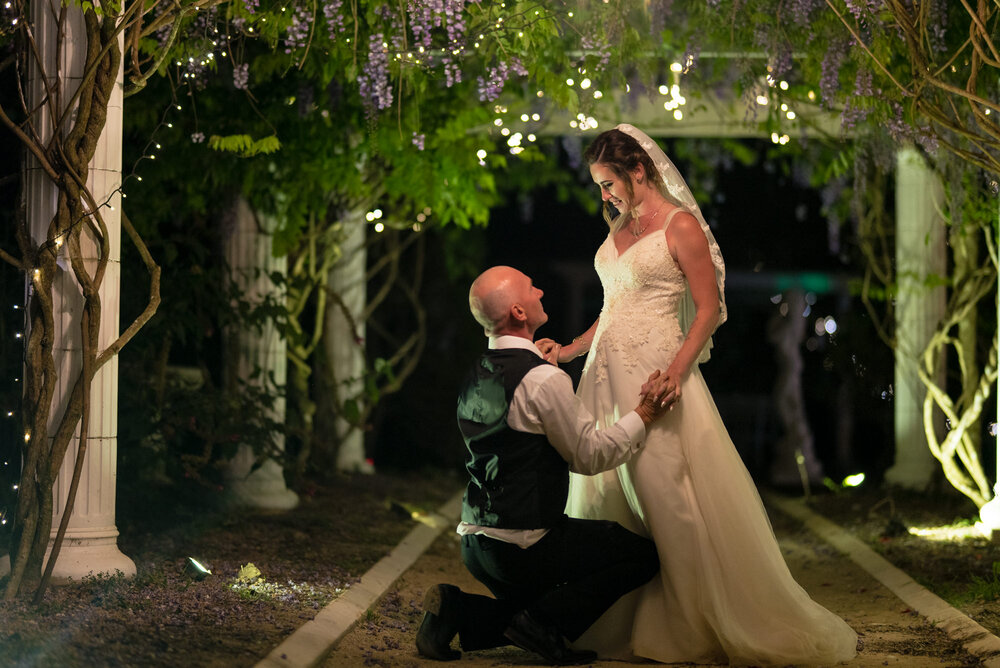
(724, 593)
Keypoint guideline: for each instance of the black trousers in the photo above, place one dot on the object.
(567, 579)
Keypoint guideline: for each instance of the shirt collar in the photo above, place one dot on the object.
(508, 341)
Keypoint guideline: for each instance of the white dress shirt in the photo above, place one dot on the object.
(545, 403)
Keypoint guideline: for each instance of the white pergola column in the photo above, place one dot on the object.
(920, 252)
(248, 250)
(90, 544)
(347, 278)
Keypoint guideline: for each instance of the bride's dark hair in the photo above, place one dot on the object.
(621, 154)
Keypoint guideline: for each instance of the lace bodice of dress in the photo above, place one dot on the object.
(643, 289)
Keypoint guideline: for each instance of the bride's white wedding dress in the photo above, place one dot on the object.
(724, 593)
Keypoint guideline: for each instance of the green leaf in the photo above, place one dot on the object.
(352, 413)
(244, 145)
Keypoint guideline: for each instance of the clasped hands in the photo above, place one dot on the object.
(657, 395)
(553, 353)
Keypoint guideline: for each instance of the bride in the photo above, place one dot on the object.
(724, 593)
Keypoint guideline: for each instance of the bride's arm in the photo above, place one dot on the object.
(555, 353)
(687, 243)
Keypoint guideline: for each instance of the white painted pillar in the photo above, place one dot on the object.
(248, 248)
(347, 278)
(920, 252)
(90, 544)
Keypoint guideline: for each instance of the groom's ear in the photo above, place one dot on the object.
(517, 313)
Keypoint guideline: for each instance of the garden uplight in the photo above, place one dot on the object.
(854, 480)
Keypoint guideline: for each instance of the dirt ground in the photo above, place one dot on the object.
(889, 633)
(167, 618)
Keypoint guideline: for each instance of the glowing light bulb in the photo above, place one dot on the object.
(854, 480)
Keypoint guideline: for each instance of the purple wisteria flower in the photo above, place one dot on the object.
(452, 71)
(397, 38)
(241, 76)
(492, 84)
(334, 17)
(781, 61)
(298, 29)
(829, 82)
(898, 129)
(418, 141)
(251, 5)
(854, 112)
(861, 8)
(937, 26)
(374, 79)
(901, 131)
(197, 137)
(422, 21)
(801, 11)
(851, 116)
(927, 139)
(600, 47)
(424, 16)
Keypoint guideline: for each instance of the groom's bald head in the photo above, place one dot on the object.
(504, 301)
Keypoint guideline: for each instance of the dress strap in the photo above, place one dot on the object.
(670, 217)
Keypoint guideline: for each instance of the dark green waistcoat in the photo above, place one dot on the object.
(517, 479)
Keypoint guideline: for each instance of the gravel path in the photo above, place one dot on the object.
(891, 634)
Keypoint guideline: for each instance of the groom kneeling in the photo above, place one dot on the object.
(525, 429)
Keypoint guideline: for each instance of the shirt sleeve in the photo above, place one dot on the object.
(544, 403)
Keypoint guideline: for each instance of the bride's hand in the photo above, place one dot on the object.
(673, 385)
(549, 349)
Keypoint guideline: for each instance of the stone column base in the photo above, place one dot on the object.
(85, 553)
(264, 488)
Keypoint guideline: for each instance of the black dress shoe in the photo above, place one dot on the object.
(442, 610)
(546, 641)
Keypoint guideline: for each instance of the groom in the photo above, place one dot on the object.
(525, 429)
